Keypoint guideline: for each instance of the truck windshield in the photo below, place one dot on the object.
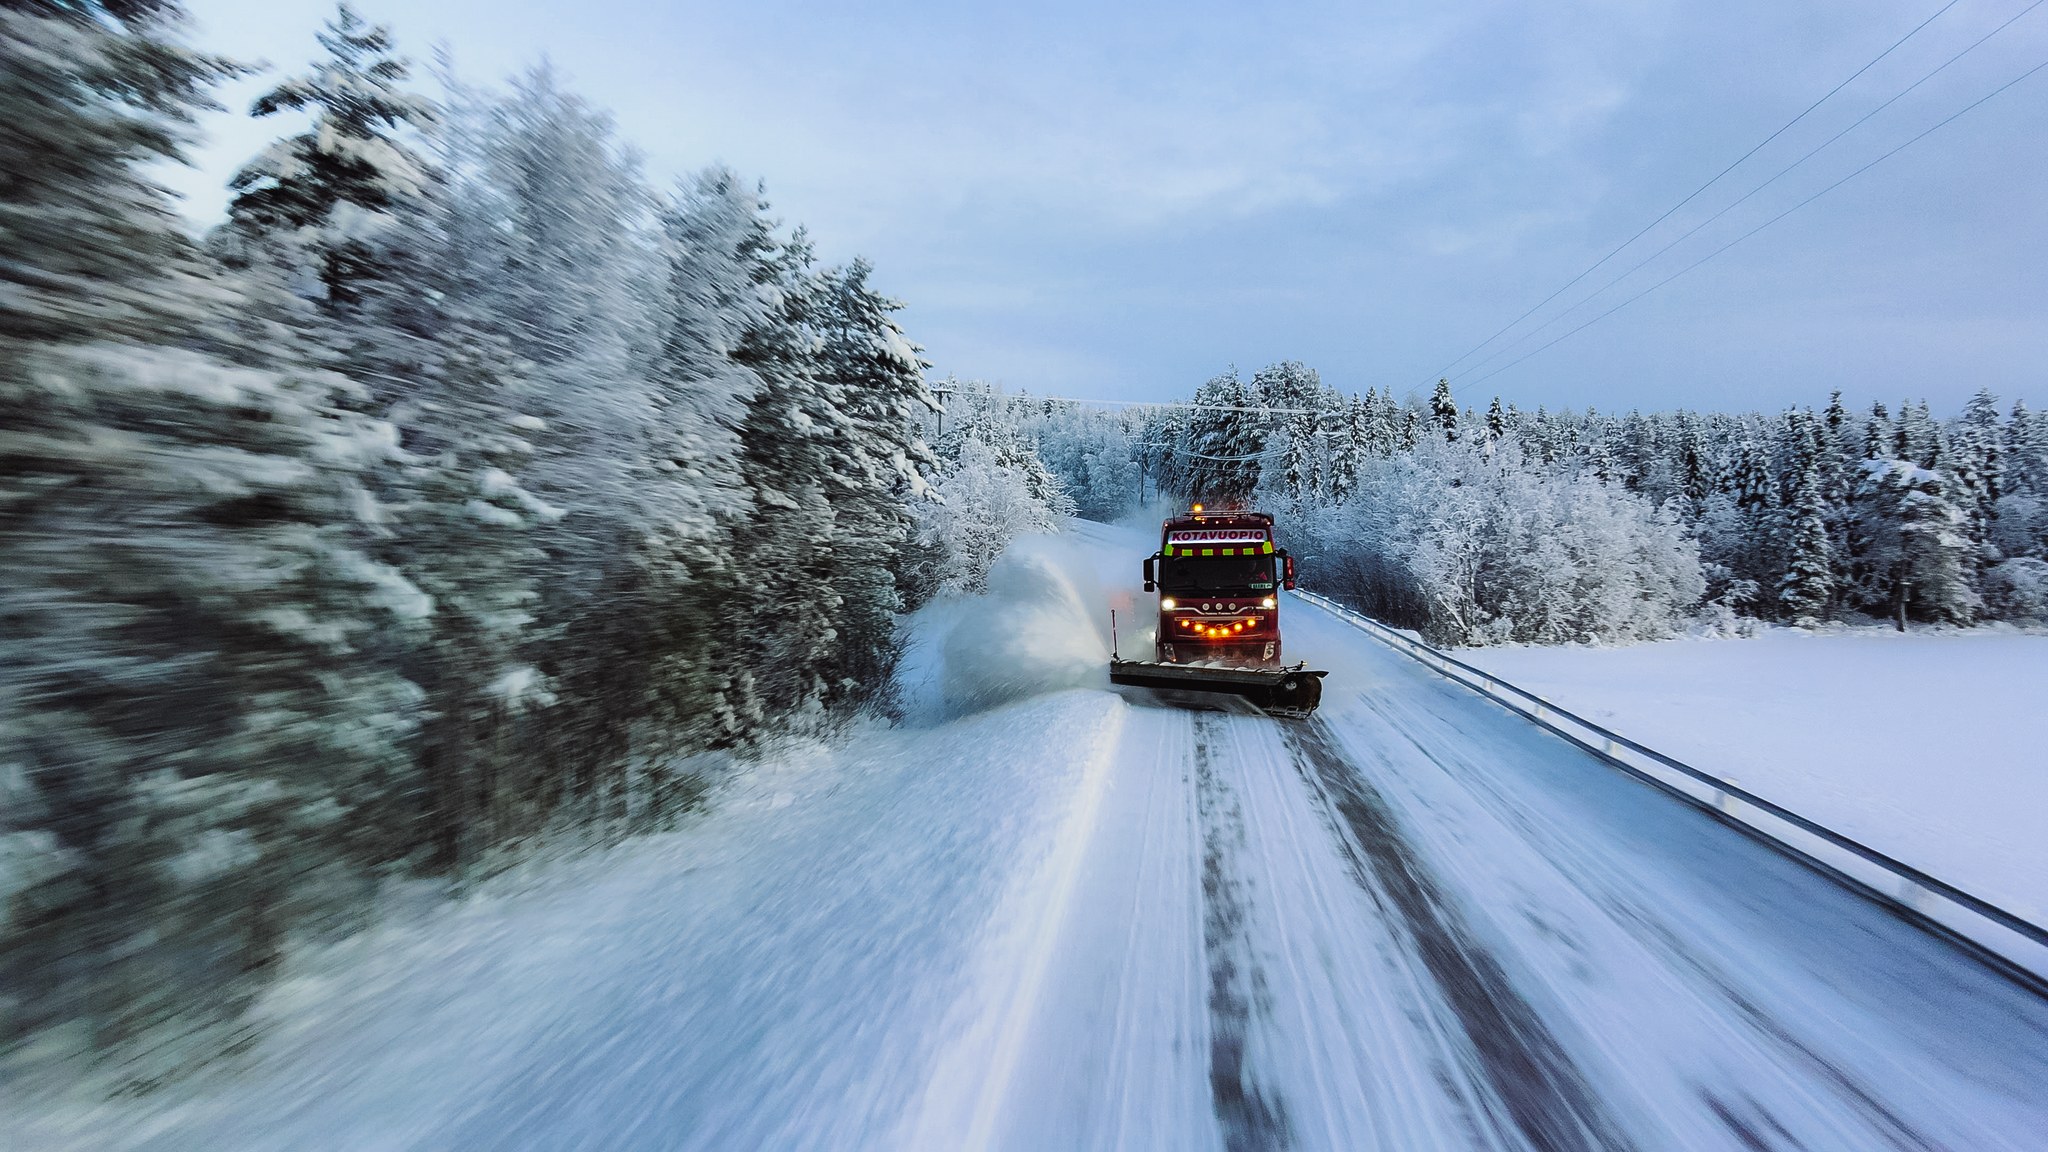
(1215, 573)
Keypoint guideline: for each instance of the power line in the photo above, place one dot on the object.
(1187, 404)
(1740, 200)
(1690, 196)
(1023, 398)
(1264, 454)
(1766, 224)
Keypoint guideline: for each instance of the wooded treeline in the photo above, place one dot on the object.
(1485, 526)
(442, 497)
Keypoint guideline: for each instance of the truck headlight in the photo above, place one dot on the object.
(1166, 604)
(1268, 602)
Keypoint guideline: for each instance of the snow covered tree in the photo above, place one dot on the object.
(1473, 546)
(1835, 419)
(2026, 451)
(319, 204)
(1807, 587)
(1443, 410)
(2017, 589)
(1877, 433)
(189, 612)
(793, 457)
(1300, 471)
(2019, 521)
(1096, 457)
(524, 413)
(1288, 385)
(93, 94)
(1349, 449)
(982, 505)
(1598, 449)
(1738, 524)
(1975, 462)
(1383, 433)
(1226, 440)
(1914, 553)
(198, 761)
(1915, 435)
(1692, 474)
(880, 373)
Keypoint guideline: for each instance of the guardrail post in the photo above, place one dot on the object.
(1909, 894)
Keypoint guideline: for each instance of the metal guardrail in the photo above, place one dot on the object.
(2010, 942)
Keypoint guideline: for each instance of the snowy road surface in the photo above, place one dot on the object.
(1078, 920)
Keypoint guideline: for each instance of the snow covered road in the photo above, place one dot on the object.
(1083, 920)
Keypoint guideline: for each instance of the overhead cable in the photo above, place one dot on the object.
(1766, 224)
(1738, 201)
(1690, 196)
(1020, 397)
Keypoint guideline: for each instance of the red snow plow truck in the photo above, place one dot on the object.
(1219, 576)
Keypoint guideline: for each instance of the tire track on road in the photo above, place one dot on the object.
(1251, 1114)
(1634, 915)
(1546, 1098)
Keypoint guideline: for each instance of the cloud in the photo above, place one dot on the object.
(1084, 196)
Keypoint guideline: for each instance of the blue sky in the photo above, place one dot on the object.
(1119, 201)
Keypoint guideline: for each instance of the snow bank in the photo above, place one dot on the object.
(1924, 746)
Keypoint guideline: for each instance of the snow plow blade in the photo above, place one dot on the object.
(1291, 691)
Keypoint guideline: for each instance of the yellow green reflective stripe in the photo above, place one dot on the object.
(1268, 548)
(1208, 551)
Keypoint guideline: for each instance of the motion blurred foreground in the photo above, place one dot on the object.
(446, 499)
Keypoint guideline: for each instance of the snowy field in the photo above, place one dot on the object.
(1044, 915)
(1931, 747)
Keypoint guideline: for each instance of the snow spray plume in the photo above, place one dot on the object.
(1034, 632)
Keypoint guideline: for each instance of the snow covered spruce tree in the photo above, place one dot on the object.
(1916, 551)
(319, 204)
(351, 222)
(1225, 439)
(2016, 580)
(880, 376)
(1807, 586)
(793, 460)
(1443, 410)
(195, 759)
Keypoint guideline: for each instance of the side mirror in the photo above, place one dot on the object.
(1152, 573)
(1287, 566)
